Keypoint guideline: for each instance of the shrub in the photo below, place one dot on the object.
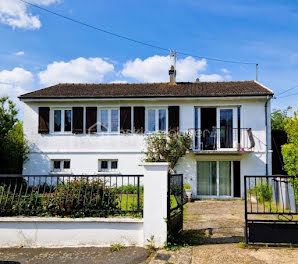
(170, 148)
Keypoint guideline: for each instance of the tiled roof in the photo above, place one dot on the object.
(141, 90)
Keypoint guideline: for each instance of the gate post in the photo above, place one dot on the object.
(155, 202)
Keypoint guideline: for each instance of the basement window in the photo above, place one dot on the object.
(60, 165)
(107, 165)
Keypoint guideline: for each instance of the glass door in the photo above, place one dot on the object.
(207, 178)
(227, 128)
(215, 178)
(225, 179)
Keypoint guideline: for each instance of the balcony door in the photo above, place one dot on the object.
(227, 133)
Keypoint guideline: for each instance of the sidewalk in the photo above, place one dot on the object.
(130, 255)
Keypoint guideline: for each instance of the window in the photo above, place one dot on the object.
(62, 120)
(67, 120)
(114, 164)
(66, 164)
(104, 123)
(107, 165)
(57, 164)
(60, 165)
(151, 120)
(104, 164)
(57, 120)
(157, 120)
(114, 120)
(109, 120)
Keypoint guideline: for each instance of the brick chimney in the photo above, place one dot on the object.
(172, 73)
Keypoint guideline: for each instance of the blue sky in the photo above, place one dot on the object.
(38, 49)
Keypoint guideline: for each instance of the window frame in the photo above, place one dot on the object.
(62, 169)
(52, 123)
(109, 169)
(157, 128)
(109, 131)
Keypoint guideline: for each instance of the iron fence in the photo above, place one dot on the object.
(271, 209)
(71, 195)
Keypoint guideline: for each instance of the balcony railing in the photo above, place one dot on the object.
(235, 139)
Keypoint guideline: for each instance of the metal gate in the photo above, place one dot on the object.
(176, 200)
(271, 206)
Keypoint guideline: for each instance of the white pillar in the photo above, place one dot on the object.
(155, 202)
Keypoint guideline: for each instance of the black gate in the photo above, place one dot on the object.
(176, 200)
(271, 206)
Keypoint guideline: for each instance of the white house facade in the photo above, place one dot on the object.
(84, 129)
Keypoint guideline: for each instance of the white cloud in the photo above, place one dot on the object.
(80, 70)
(155, 69)
(20, 53)
(15, 13)
(224, 70)
(211, 78)
(15, 82)
(119, 81)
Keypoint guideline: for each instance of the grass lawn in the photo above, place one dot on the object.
(129, 202)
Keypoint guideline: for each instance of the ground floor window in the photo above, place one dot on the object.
(218, 178)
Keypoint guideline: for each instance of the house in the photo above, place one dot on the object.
(100, 129)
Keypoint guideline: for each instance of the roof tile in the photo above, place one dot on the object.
(133, 90)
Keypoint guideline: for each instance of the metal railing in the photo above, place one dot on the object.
(240, 139)
(71, 195)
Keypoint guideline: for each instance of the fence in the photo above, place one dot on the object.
(271, 209)
(71, 195)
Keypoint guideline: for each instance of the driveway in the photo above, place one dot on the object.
(222, 221)
(218, 227)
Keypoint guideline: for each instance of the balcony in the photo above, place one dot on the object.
(222, 140)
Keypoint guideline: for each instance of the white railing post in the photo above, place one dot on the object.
(155, 202)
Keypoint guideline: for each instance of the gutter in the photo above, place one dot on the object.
(266, 128)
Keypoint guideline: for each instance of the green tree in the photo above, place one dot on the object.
(13, 146)
(290, 150)
(170, 148)
(279, 118)
(8, 116)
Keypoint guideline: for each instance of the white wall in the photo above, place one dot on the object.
(67, 232)
(85, 150)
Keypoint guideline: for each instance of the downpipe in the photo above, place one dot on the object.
(266, 128)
